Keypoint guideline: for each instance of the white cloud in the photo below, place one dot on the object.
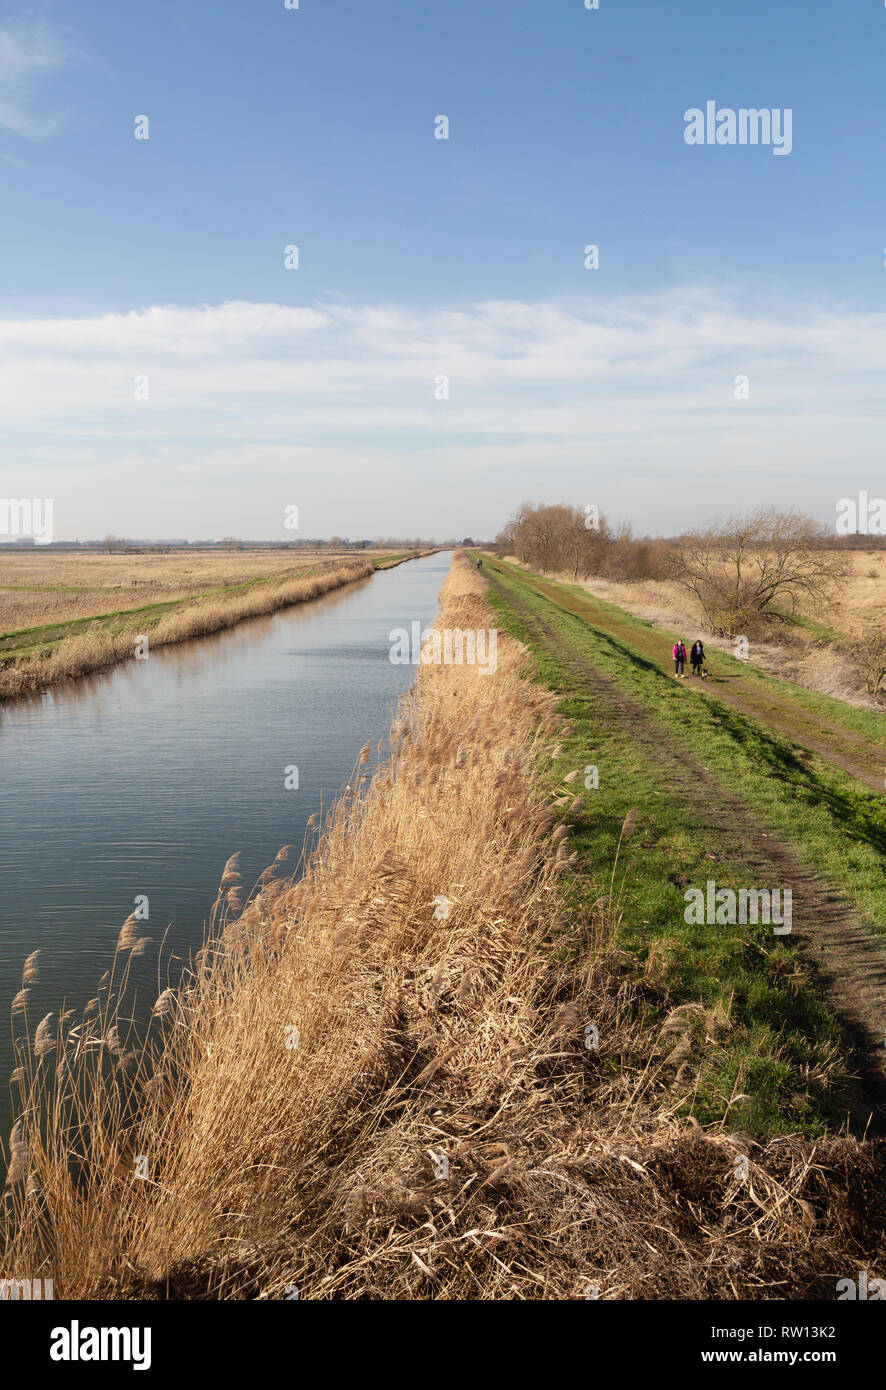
(630, 403)
(27, 55)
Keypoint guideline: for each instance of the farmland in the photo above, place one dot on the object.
(65, 615)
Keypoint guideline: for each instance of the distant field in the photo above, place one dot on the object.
(63, 615)
(862, 599)
(44, 587)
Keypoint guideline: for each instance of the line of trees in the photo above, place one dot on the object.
(745, 573)
(581, 543)
(113, 543)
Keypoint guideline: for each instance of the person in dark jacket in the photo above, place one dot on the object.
(696, 657)
(679, 657)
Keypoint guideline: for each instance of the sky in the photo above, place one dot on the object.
(442, 351)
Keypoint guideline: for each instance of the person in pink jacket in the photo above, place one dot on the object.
(679, 658)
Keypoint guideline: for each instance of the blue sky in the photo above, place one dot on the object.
(421, 258)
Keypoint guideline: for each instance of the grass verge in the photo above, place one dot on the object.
(771, 1058)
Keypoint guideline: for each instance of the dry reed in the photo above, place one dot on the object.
(376, 1080)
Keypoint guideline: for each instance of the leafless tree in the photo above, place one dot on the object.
(757, 568)
(869, 651)
(555, 539)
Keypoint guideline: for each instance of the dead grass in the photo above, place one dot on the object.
(862, 600)
(98, 646)
(38, 587)
(375, 1083)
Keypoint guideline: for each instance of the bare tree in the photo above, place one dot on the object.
(515, 535)
(554, 539)
(756, 568)
(584, 548)
(869, 652)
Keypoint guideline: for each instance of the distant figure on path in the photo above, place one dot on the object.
(679, 658)
(479, 563)
(696, 657)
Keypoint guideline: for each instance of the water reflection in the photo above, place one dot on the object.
(143, 779)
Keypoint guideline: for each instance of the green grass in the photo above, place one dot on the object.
(778, 1041)
(823, 632)
(869, 724)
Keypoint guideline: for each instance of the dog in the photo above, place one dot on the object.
(704, 673)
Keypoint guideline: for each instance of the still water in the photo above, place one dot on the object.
(144, 779)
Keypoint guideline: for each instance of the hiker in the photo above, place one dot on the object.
(679, 658)
(479, 563)
(696, 657)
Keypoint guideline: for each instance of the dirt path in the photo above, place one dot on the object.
(851, 752)
(848, 957)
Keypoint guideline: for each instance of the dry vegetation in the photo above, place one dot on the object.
(752, 572)
(440, 995)
(38, 587)
(861, 599)
(96, 645)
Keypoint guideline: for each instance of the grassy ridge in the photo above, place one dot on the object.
(769, 1039)
(867, 724)
(832, 820)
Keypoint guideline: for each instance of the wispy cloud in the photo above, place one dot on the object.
(634, 400)
(28, 54)
(676, 352)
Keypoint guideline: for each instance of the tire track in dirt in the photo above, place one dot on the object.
(848, 957)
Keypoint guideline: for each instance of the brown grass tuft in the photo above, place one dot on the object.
(31, 969)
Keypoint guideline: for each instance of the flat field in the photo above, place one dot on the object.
(63, 615)
(40, 588)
